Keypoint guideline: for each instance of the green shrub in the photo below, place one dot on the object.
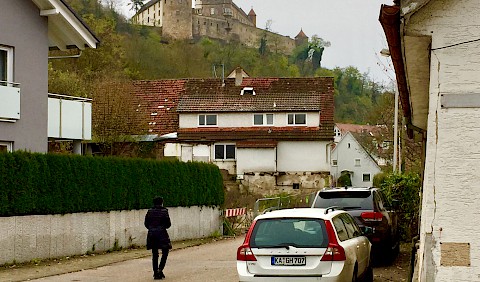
(405, 189)
(59, 184)
(344, 180)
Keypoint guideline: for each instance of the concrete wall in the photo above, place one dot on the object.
(244, 119)
(256, 159)
(345, 153)
(24, 238)
(451, 191)
(303, 156)
(25, 30)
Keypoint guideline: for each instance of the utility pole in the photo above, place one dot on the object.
(395, 133)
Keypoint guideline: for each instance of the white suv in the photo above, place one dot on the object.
(306, 244)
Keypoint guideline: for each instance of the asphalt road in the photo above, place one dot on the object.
(210, 262)
(196, 260)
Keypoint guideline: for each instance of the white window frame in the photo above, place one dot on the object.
(224, 151)
(8, 145)
(264, 119)
(357, 162)
(205, 117)
(295, 119)
(369, 177)
(212, 11)
(337, 132)
(9, 51)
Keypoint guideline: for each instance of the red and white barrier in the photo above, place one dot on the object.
(235, 212)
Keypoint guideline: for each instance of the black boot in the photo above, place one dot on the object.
(161, 274)
(158, 275)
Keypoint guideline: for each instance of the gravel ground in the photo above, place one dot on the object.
(398, 271)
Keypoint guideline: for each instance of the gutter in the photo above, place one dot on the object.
(390, 20)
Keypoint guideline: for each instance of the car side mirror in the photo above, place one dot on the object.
(367, 230)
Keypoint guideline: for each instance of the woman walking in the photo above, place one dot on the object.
(157, 221)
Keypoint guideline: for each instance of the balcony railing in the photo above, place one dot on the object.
(9, 101)
(69, 117)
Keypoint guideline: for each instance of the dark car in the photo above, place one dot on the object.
(370, 208)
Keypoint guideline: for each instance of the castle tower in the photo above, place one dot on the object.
(253, 17)
(177, 19)
(301, 38)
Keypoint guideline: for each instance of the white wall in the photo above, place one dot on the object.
(346, 156)
(302, 156)
(24, 238)
(243, 119)
(451, 191)
(256, 160)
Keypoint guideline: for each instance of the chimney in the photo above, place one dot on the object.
(238, 76)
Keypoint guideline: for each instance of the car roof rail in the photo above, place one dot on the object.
(332, 208)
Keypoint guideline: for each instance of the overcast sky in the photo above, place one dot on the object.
(351, 26)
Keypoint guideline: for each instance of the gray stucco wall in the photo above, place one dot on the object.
(23, 238)
(26, 31)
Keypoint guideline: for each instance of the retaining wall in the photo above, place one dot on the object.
(23, 238)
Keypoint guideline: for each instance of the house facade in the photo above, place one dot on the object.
(28, 30)
(349, 157)
(373, 138)
(434, 49)
(271, 133)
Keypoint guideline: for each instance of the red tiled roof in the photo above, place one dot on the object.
(163, 100)
(301, 34)
(159, 100)
(256, 133)
(271, 94)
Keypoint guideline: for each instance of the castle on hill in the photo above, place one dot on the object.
(217, 19)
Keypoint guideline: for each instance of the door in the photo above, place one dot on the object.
(187, 153)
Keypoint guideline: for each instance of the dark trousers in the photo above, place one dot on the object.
(163, 260)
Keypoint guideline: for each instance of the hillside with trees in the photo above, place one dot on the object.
(130, 52)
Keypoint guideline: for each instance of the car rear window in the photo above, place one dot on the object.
(347, 200)
(297, 232)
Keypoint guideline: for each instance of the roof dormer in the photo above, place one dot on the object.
(248, 90)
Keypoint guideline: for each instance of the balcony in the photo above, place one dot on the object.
(10, 101)
(69, 118)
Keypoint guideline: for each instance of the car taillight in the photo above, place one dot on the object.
(372, 216)
(244, 253)
(334, 251)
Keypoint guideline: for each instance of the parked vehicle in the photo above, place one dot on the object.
(370, 208)
(304, 244)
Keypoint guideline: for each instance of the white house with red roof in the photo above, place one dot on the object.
(272, 133)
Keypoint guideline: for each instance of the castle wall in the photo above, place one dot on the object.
(205, 26)
(210, 18)
(177, 19)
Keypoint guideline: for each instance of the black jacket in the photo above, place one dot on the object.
(157, 221)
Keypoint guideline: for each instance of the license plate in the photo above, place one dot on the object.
(289, 260)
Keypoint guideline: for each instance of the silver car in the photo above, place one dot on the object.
(305, 244)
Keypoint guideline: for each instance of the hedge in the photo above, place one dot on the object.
(32, 183)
